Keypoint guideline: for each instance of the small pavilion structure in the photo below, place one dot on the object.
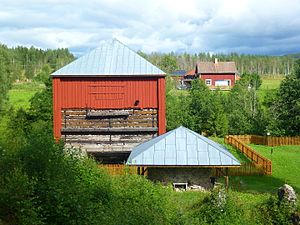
(182, 156)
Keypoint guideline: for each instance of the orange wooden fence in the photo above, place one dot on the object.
(119, 169)
(268, 140)
(246, 169)
(258, 160)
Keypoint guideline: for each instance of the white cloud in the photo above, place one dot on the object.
(245, 26)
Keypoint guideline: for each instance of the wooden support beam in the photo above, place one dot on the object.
(226, 182)
(107, 130)
(139, 170)
(144, 169)
(226, 179)
(103, 113)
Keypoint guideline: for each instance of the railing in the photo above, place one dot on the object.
(258, 160)
(268, 140)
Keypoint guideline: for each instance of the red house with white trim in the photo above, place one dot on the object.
(222, 75)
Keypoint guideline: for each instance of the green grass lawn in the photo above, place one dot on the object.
(21, 93)
(285, 169)
(269, 85)
(19, 97)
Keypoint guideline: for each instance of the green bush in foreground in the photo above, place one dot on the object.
(219, 207)
(276, 212)
(42, 183)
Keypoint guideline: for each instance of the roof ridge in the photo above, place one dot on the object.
(211, 142)
(111, 58)
(140, 153)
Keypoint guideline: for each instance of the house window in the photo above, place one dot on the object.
(223, 83)
(208, 82)
(228, 82)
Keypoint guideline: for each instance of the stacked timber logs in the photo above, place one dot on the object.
(108, 130)
(109, 118)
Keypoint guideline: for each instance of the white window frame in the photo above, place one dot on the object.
(210, 82)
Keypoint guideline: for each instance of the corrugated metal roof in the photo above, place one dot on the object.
(181, 147)
(219, 67)
(112, 58)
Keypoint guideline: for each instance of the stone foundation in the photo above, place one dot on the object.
(192, 176)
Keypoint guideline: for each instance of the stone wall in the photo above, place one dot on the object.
(192, 176)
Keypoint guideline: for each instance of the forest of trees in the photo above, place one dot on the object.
(262, 65)
(22, 63)
(26, 64)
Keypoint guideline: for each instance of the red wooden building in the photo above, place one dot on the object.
(216, 74)
(108, 101)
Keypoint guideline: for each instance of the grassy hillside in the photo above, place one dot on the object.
(285, 168)
(269, 86)
(19, 97)
(21, 93)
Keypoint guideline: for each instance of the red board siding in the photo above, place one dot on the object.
(215, 77)
(161, 106)
(108, 93)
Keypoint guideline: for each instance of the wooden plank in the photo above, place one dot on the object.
(115, 113)
(134, 120)
(108, 130)
(103, 126)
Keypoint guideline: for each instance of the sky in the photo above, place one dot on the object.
(270, 27)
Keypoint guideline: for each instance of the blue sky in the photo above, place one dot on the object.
(245, 26)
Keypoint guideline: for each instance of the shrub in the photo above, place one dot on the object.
(275, 212)
(138, 201)
(17, 200)
(220, 207)
(40, 183)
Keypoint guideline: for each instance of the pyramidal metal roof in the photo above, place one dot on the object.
(181, 147)
(111, 58)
